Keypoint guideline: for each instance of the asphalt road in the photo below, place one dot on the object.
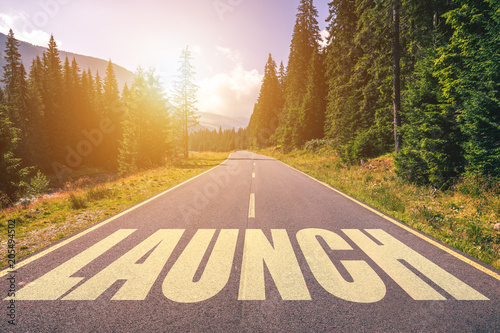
(251, 245)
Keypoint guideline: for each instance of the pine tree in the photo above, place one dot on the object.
(29, 118)
(360, 112)
(55, 118)
(19, 99)
(89, 116)
(396, 73)
(11, 70)
(374, 132)
(342, 56)
(98, 92)
(282, 78)
(90, 92)
(132, 127)
(125, 92)
(83, 117)
(19, 103)
(146, 128)
(312, 112)
(14, 78)
(11, 173)
(111, 93)
(221, 141)
(185, 99)
(304, 43)
(36, 73)
(469, 72)
(112, 110)
(264, 120)
(37, 135)
(432, 150)
(68, 105)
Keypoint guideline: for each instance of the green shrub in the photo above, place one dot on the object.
(77, 202)
(38, 185)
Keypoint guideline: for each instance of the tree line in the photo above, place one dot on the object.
(448, 57)
(218, 141)
(58, 118)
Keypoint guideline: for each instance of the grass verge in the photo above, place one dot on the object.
(57, 216)
(463, 217)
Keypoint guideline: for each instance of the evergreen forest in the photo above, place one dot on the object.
(424, 74)
(57, 119)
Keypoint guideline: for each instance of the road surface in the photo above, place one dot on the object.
(252, 245)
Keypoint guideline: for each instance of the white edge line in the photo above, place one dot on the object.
(425, 237)
(98, 225)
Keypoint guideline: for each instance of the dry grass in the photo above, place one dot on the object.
(463, 217)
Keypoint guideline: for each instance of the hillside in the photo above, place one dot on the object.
(213, 121)
(29, 52)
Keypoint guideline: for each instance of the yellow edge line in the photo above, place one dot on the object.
(111, 219)
(407, 228)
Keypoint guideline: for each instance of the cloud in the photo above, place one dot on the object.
(325, 36)
(231, 94)
(232, 55)
(25, 28)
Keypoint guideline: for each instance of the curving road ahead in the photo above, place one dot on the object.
(251, 245)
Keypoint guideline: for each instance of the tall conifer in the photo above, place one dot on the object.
(185, 99)
(312, 112)
(112, 110)
(469, 72)
(146, 128)
(304, 43)
(11, 70)
(37, 127)
(56, 120)
(269, 104)
(11, 173)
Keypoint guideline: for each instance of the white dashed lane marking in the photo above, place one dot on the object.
(251, 206)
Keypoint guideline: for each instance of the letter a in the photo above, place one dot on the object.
(139, 277)
(58, 281)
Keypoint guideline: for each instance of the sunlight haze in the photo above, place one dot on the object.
(230, 39)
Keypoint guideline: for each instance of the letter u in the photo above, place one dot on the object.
(179, 286)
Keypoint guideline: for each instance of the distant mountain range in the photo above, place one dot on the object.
(213, 121)
(29, 52)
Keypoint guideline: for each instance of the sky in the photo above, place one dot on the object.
(230, 40)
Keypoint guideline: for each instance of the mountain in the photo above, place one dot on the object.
(29, 52)
(213, 121)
